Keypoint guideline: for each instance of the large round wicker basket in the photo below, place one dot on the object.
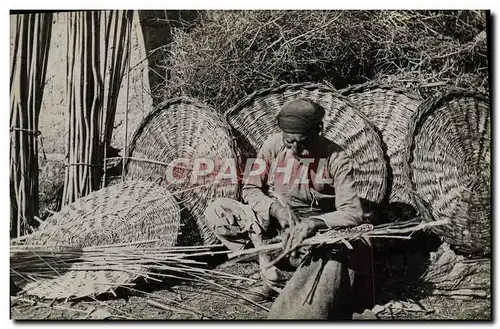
(389, 109)
(128, 212)
(167, 145)
(253, 120)
(448, 153)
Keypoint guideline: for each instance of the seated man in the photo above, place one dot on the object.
(305, 185)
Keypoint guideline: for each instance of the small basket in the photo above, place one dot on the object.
(449, 166)
(389, 109)
(253, 120)
(182, 128)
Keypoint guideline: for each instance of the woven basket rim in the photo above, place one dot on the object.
(157, 110)
(287, 86)
(307, 86)
(374, 86)
(425, 109)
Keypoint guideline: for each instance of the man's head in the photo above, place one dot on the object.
(301, 122)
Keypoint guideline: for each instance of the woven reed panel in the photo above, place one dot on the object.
(253, 119)
(78, 283)
(126, 212)
(183, 128)
(389, 109)
(449, 143)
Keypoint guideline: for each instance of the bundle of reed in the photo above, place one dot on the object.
(27, 79)
(98, 54)
(56, 272)
(338, 237)
(43, 260)
(345, 236)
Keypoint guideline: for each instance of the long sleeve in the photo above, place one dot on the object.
(253, 189)
(348, 211)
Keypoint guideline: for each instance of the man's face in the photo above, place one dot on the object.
(301, 145)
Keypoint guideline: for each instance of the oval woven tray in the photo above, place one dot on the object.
(126, 212)
(253, 120)
(182, 128)
(449, 165)
(389, 109)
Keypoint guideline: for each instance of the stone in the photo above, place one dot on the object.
(366, 315)
(378, 309)
(100, 314)
(256, 276)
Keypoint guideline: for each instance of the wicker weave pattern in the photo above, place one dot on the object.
(126, 212)
(78, 284)
(254, 120)
(389, 109)
(449, 166)
(184, 128)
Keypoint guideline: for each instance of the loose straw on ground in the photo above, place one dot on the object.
(36, 262)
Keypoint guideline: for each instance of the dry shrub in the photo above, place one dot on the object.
(233, 53)
(432, 49)
(230, 54)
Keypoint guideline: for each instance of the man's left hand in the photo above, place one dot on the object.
(297, 234)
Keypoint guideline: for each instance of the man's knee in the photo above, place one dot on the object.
(226, 218)
(214, 215)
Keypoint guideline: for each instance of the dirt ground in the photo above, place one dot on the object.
(195, 301)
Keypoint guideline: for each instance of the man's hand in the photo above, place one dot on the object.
(297, 234)
(286, 217)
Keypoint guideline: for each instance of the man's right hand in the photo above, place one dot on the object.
(286, 217)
